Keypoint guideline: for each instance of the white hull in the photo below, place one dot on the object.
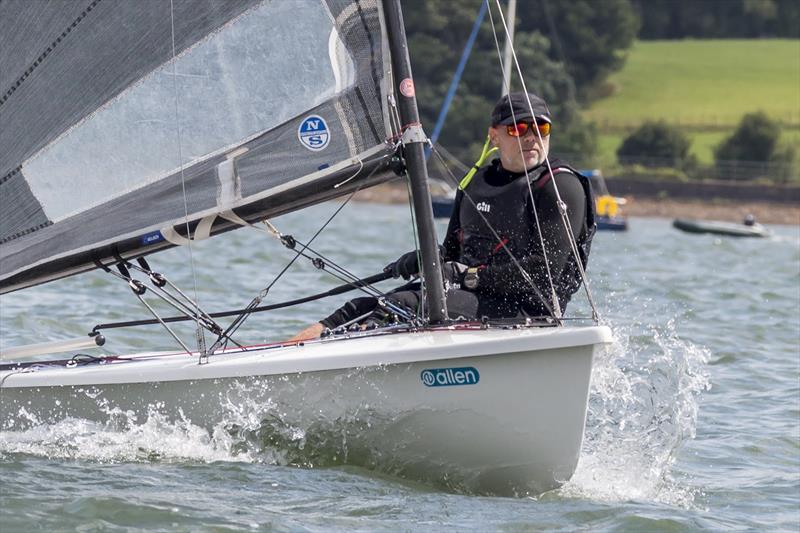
(510, 421)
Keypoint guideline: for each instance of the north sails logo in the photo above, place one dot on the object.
(445, 377)
(313, 133)
(483, 206)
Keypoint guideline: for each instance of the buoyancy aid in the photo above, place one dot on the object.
(507, 208)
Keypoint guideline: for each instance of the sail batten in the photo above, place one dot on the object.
(295, 89)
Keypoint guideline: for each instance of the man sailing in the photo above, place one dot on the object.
(507, 252)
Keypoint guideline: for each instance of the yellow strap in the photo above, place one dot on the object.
(485, 153)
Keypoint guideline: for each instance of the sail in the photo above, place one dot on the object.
(122, 124)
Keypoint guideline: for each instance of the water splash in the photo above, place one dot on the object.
(643, 407)
(123, 439)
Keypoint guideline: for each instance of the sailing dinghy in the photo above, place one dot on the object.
(127, 130)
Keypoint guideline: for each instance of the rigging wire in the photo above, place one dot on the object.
(398, 129)
(199, 331)
(181, 301)
(502, 243)
(138, 289)
(321, 262)
(526, 276)
(510, 48)
(421, 310)
(343, 273)
(561, 204)
(340, 272)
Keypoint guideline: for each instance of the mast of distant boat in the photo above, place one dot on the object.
(511, 16)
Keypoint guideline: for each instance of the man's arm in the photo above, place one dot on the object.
(506, 277)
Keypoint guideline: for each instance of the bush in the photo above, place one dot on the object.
(656, 144)
(784, 160)
(753, 152)
(755, 139)
(640, 172)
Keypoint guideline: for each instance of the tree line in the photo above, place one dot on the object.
(718, 19)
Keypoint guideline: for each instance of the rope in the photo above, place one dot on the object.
(365, 282)
(562, 206)
(236, 324)
(553, 295)
(502, 243)
(199, 332)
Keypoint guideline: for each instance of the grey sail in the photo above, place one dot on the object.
(122, 123)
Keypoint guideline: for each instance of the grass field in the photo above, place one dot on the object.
(705, 86)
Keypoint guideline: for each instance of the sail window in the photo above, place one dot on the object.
(222, 94)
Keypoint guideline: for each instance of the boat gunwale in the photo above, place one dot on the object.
(371, 350)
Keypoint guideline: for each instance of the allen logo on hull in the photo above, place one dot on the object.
(445, 377)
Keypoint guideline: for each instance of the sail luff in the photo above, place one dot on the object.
(414, 140)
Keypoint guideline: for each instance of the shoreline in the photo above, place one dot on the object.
(724, 210)
(638, 206)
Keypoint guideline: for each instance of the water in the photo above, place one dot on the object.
(693, 424)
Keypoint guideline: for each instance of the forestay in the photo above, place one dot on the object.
(124, 123)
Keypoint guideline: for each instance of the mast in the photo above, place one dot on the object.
(414, 140)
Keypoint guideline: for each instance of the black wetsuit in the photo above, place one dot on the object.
(503, 199)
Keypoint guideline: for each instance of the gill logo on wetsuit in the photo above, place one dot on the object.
(483, 206)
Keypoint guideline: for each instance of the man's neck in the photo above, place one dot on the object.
(521, 171)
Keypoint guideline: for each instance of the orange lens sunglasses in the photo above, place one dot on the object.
(520, 129)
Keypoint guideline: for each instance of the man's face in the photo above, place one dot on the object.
(520, 153)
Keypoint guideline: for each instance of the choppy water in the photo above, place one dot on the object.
(694, 416)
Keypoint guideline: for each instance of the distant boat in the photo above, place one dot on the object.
(607, 212)
(749, 228)
(611, 223)
(442, 206)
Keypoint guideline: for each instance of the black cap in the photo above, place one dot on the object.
(518, 103)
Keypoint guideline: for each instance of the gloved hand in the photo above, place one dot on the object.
(406, 266)
(453, 274)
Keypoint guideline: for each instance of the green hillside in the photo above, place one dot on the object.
(705, 85)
